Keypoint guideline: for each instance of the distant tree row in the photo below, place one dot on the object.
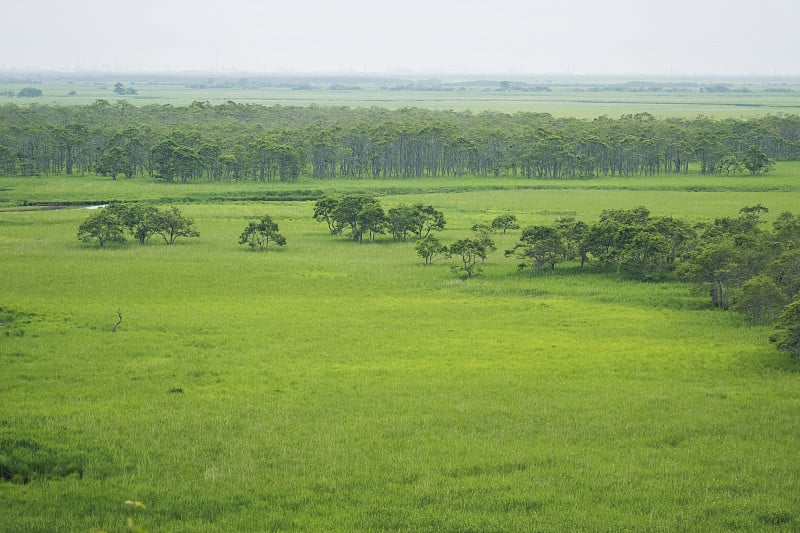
(253, 142)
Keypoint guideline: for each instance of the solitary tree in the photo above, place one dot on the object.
(483, 234)
(505, 222)
(173, 224)
(29, 92)
(258, 234)
(469, 250)
(428, 247)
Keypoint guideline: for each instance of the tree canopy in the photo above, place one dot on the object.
(234, 141)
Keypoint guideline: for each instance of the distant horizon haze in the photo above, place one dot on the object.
(447, 37)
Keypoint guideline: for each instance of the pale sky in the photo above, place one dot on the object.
(689, 37)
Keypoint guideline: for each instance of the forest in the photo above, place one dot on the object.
(236, 141)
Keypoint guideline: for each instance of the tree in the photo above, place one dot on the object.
(172, 224)
(259, 234)
(104, 225)
(786, 335)
(542, 245)
(785, 272)
(29, 92)
(371, 220)
(483, 234)
(428, 247)
(645, 256)
(756, 161)
(114, 161)
(505, 222)
(573, 234)
(348, 214)
(425, 218)
(324, 210)
(401, 221)
(419, 220)
(759, 299)
(171, 159)
(141, 221)
(469, 250)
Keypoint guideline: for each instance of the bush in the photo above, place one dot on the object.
(786, 336)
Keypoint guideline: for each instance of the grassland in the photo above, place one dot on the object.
(335, 386)
(574, 96)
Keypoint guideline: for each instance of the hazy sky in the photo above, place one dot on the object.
(469, 36)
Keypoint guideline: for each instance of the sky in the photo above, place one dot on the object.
(514, 37)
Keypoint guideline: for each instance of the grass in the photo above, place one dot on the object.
(568, 96)
(335, 386)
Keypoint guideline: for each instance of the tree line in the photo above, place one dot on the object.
(234, 141)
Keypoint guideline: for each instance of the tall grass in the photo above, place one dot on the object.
(337, 386)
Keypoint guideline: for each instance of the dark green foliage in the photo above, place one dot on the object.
(12, 322)
(141, 221)
(171, 224)
(363, 215)
(115, 161)
(418, 220)
(258, 234)
(469, 251)
(483, 234)
(24, 460)
(786, 336)
(543, 246)
(505, 222)
(428, 247)
(759, 299)
(104, 226)
(785, 272)
(244, 141)
(324, 210)
(108, 224)
(29, 92)
(757, 161)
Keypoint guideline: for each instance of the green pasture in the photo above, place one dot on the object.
(335, 386)
(573, 96)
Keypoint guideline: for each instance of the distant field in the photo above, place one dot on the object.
(571, 96)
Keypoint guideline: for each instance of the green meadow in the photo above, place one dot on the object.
(336, 386)
(560, 95)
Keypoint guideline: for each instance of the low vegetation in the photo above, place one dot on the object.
(393, 369)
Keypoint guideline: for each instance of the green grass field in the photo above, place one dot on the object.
(332, 386)
(574, 96)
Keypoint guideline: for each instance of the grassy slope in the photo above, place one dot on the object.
(336, 386)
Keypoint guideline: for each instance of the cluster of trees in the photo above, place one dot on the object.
(260, 233)
(111, 223)
(746, 266)
(363, 214)
(253, 142)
